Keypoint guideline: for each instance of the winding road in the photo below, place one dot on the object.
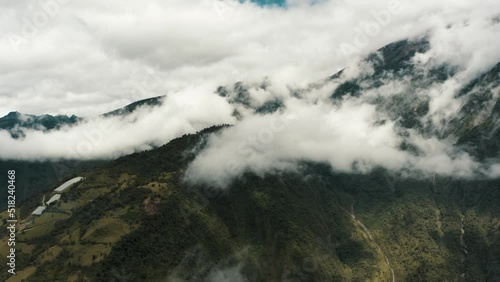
(462, 242)
(367, 231)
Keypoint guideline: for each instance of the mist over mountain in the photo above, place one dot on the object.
(15, 123)
(390, 109)
(231, 140)
(136, 217)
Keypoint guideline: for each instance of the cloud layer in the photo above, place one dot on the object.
(351, 137)
(87, 58)
(184, 112)
(67, 57)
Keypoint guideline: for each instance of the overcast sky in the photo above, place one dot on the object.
(90, 57)
(86, 58)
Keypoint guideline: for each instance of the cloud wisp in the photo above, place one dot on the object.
(68, 57)
(109, 137)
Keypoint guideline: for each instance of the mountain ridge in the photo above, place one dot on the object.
(15, 123)
(137, 216)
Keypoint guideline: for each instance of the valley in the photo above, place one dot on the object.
(369, 179)
(112, 223)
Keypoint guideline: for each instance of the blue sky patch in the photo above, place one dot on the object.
(281, 3)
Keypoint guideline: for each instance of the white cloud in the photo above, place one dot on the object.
(91, 57)
(94, 53)
(348, 138)
(184, 112)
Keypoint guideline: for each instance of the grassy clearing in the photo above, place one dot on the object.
(4, 248)
(106, 230)
(22, 275)
(25, 248)
(49, 254)
(72, 236)
(86, 254)
(37, 231)
(90, 195)
(156, 187)
(47, 217)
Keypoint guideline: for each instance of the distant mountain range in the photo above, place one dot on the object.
(476, 126)
(39, 176)
(135, 219)
(16, 123)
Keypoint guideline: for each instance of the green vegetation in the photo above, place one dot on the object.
(274, 228)
(14, 122)
(149, 102)
(134, 217)
(34, 178)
